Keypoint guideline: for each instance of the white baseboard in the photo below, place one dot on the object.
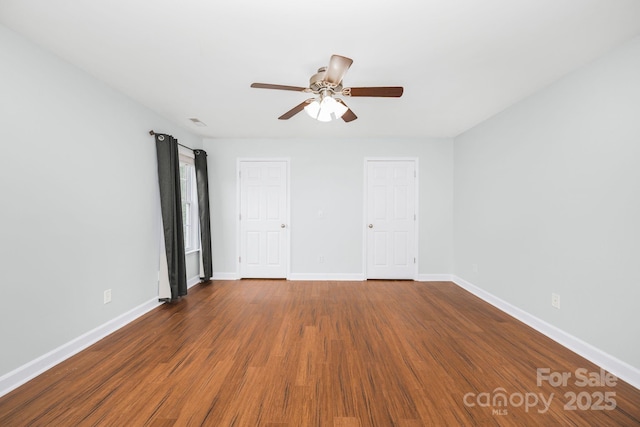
(193, 281)
(338, 277)
(360, 277)
(225, 276)
(617, 367)
(434, 278)
(24, 373)
(301, 276)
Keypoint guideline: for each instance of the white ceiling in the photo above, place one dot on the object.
(460, 61)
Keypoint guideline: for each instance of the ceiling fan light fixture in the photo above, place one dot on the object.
(325, 110)
(313, 109)
(324, 115)
(334, 107)
(317, 110)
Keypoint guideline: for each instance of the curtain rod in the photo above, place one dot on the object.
(151, 132)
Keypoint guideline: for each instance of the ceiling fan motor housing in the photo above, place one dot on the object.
(317, 83)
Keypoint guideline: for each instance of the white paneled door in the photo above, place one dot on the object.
(391, 219)
(263, 219)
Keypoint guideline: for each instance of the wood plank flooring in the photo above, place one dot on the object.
(279, 353)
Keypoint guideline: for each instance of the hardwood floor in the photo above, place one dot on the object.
(278, 353)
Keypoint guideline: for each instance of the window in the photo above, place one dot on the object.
(189, 202)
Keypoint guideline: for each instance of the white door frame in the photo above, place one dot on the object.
(365, 207)
(287, 237)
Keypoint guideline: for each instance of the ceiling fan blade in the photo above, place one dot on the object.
(295, 110)
(338, 66)
(349, 116)
(381, 91)
(279, 87)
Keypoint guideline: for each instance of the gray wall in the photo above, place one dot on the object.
(328, 175)
(80, 210)
(547, 199)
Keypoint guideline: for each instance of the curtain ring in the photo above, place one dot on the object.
(161, 137)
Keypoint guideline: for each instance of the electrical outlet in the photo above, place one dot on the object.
(321, 259)
(555, 301)
(107, 296)
(474, 267)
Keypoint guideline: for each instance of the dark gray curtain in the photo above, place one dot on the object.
(171, 206)
(202, 184)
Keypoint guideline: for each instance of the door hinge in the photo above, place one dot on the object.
(414, 260)
(239, 259)
(414, 217)
(239, 174)
(240, 217)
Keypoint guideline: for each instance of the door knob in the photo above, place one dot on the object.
(282, 225)
(370, 225)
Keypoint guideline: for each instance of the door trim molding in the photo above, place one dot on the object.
(417, 208)
(287, 237)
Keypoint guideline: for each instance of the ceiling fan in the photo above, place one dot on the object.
(326, 84)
